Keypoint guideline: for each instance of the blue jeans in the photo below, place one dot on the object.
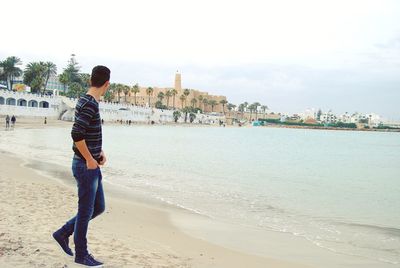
(91, 204)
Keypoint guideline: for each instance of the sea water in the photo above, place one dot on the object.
(338, 189)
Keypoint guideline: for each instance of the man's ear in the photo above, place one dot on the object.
(107, 85)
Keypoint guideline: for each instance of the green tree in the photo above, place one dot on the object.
(251, 109)
(186, 111)
(168, 94)
(176, 115)
(160, 105)
(173, 92)
(193, 101)
(186, 92)
(231, 106)
(72, 71)
(85, 80)
(51, 69)
(109, 95)
(241, 107)
(75, 90)
(160, 96)
(114, 90)
(127, 92)
(205, 103)
(223, 102)
(264, 108)
(212, 103)
(11, 70)
(135, 90)
(35, 76)
(149, 92)
(182, 98)
(255, 108)
(119, 88)
(192, 116)
(200, 98)
(63, 78)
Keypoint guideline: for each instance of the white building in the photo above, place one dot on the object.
(328, 117)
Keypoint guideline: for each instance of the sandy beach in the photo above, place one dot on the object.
(128, 234)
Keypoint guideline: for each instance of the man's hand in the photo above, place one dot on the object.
(104, 159)
(91, 164)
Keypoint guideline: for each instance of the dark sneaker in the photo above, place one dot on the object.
(63, 242)
(88, 261)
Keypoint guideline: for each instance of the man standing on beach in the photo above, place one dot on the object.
(7, 122)
(88, 155)
(13, 120)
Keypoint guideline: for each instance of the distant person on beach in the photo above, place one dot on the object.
(88, 156)
(13, 120)
(7, 122)
(45, 120)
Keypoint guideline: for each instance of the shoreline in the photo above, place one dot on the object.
(331, 128)
(143, 235)
(37, 122)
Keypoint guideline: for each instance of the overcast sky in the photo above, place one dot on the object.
(290, 55)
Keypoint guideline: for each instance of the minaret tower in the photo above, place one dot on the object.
(178, 83)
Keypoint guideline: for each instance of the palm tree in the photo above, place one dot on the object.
(186, 92)
(212, 103)
(255, 105)
(193, 101)
(264, 108)
(127, 91)
(113, 90)
(11, 69)
(200, 100)
(168, 94)
(192, 116)
(245, 105)
(63, 78)
(205, 103)
(160, 96)
(183, 99)
(119, 88)
(135, 90)
(251, 108)
(35, 75)
(223, 102)
(231, 106)
(51, 69)
(173, 92)
(149, 92)
(176, 115)
(109, 95)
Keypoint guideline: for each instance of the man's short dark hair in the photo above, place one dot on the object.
(100, 75)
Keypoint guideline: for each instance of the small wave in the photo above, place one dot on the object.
(392, 231)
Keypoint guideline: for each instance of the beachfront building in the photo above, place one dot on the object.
(145, 100)
(309, 113)
(328, 118)
(27, 104)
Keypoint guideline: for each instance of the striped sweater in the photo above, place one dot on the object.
(87, 126)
